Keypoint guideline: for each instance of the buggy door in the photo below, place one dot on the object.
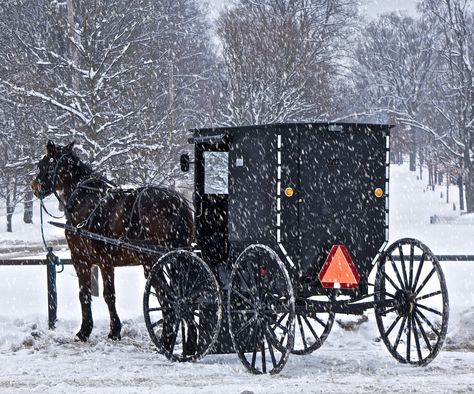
(341, 166)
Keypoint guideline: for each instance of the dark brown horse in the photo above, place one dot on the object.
(153, 215)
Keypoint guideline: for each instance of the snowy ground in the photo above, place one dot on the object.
(34, 359)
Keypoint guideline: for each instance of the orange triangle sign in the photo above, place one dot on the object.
(338, 270)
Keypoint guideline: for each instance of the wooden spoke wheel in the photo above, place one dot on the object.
(182, 306)
(261, 310)
(311, 328)
(410, 278)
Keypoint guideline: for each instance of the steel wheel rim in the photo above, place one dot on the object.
(271, 330)
(186, 308)
(414, 331)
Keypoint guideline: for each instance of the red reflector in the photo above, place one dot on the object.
(338, 270)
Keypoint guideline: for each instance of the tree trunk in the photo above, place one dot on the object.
(413, 152)
(10, 209)
(447, 187)
(28, 207)
(469, 166)
(430, 175)
(461, 193)
(421, 158)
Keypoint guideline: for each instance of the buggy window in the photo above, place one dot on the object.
(216, 177)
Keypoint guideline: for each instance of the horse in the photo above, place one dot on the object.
(151, 215)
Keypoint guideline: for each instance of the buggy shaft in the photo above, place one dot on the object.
(152, 250)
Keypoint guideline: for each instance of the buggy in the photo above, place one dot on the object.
(291, 228)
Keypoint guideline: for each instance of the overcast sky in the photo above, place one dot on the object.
(372, 7)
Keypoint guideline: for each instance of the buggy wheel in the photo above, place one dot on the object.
(414, 326)
(311, 328)
(261, 310)
(182, 306)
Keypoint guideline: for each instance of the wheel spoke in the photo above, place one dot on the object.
(270, 350)
(183, 338)
(302, 331)
(197, 290)
(241, 296)
(280, 326)
(397, 273)
(262, 351)
(165, 287)
(321, 322)
(175, 335)
(195, 283)
(391, 281)
(399, 336)
(387, 333)
(429, 309)
(418, 272)
(408, 339)
(254, 345)
(387, 311)
(423, 333)
(244, 327)
(404, 269)
(410, 272)
(308, 323)
(186, 276)
(429, 295)
(160, 308)
(153, 325)
(428, 322)
(417, 340)
(433, 270)
(242, 278)
(164, 299)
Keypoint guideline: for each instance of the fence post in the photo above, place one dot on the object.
(52, 293)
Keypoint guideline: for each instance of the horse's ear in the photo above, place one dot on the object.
(69, 146)
(51, 148)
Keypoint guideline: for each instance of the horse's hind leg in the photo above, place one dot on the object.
(84, 275)
(109, 297)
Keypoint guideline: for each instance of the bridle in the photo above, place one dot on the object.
(53, 177)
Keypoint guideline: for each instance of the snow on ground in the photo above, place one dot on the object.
(34, 359)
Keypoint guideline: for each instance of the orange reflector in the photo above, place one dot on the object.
(289, 192)
(378, 192)
(339, 271)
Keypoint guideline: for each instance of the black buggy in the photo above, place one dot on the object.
(292, 228)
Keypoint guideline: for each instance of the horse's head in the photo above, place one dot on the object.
(55, 169)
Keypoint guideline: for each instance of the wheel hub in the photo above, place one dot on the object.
(407, 301)
(181, 308)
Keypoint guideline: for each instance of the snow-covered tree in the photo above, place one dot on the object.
(124, 78)
(280, 57)
(395, 68)
(453, 20)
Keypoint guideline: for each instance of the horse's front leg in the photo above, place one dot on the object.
(109, 297)
(85, 297)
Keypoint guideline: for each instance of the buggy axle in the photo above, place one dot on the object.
(348, 307)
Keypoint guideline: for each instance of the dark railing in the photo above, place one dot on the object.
(51, 268)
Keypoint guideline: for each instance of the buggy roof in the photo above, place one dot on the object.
(218, 134)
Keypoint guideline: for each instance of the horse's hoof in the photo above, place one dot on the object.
(81, 337)
(115, 337)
